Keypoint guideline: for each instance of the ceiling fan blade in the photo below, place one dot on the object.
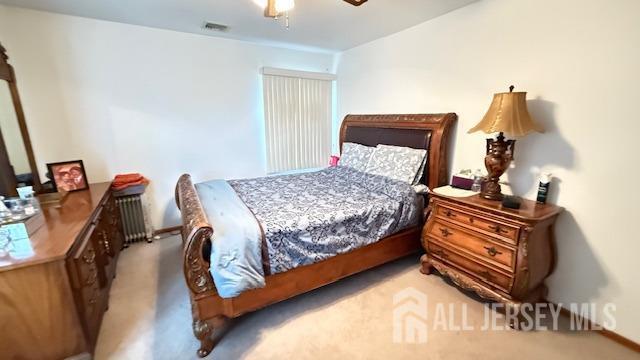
(270, 10)
(356, 2)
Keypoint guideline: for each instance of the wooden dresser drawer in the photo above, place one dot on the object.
(492, 251)
(88, 282)
(93, 300)
(90, 296)
(110, 236)
(490, 227)
(481, 272)
(84, 262)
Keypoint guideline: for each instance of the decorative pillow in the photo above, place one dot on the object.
(396, 162)
(356, 156)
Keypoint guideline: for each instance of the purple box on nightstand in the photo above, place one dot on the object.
(461, 182)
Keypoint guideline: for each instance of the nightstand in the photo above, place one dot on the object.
(501, 254)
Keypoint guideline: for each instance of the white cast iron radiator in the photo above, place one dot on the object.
(135, 223)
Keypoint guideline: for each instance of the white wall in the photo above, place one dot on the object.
(579, 61)
(126, 98)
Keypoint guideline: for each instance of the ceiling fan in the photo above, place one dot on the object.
(277, 8)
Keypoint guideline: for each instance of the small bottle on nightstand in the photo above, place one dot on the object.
(543, 188)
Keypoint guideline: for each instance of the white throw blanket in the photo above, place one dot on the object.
(236, 244)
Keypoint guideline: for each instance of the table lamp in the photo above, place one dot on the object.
(507, 114)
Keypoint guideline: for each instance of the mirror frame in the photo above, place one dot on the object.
(8, 74)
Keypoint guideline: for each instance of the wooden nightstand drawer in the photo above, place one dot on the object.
(474, 243)
(479, 271)
(483, 224)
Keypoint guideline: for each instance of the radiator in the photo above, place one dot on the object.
(135, 224)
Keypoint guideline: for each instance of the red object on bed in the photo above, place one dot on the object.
(333, 160)
(123, 181)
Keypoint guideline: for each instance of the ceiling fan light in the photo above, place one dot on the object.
(281, 5)
(284, 5)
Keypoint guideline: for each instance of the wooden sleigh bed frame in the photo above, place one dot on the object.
(210, 311)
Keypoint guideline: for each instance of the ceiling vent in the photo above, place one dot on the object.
(215, 27)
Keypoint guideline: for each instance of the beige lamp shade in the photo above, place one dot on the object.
(509, 114)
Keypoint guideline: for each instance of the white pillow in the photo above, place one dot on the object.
(356, 156)
(397, 162)
(420, 189)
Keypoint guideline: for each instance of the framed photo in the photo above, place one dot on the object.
(68, 175)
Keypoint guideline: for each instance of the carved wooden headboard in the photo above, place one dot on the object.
(418, 131)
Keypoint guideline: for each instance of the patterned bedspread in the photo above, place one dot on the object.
(309, 217)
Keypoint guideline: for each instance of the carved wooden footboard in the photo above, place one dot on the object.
(196, 235)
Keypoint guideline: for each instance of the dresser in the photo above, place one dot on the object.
(52, 299)
(501, 254)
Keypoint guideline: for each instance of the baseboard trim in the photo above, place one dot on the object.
(620, 340)
(628, 343)
(167, 230)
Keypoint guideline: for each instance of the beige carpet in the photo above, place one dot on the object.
(149, 318)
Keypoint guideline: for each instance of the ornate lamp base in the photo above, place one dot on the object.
(499, 156)
(491, 190)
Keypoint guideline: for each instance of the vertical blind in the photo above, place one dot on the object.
(297, 122)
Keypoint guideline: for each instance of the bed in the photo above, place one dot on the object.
(282, 280)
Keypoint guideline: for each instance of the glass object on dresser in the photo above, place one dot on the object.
(5, 242)
(477, 181)
(5, 213)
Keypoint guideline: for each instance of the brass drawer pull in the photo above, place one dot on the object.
(492, 251)
(90, 257)
(92, 279)
(449, 213)
(441, 254)
(498, 229)
(487, 275)
(445, 232)
(105, 242)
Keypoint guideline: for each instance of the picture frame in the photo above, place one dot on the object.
(68, 175)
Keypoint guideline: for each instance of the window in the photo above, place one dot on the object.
(298, 119)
